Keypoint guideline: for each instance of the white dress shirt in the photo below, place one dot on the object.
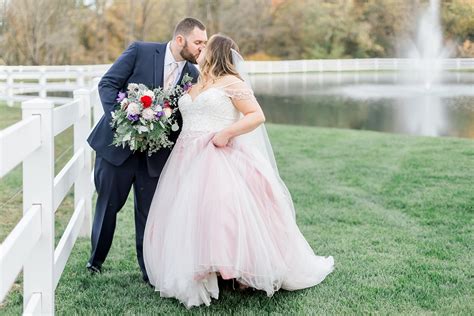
(169, 60)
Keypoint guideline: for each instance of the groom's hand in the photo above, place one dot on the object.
(220, 139)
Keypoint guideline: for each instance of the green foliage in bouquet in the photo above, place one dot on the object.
(144, 118)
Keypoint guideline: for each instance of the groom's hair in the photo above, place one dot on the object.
(187, 25)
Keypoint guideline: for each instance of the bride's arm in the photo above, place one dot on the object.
(244, 100)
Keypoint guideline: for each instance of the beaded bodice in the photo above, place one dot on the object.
(210, 111)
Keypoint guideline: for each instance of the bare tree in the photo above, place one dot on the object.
(3, 21)
(101, 30)
(131, 26)
(206, 10)
(39, 31)
(146, 9)
(3, 12)
(247, 22)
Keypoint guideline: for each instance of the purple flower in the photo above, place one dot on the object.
(159, 114)
(132, 117)
(187, 86)
(121, 95)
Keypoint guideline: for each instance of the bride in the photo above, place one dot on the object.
(221, 209)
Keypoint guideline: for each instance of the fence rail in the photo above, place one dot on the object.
(25, 133)
(370, 64)
(20, 83)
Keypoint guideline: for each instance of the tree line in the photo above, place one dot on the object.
(35, 32)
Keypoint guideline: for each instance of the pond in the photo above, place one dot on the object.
(386, 102)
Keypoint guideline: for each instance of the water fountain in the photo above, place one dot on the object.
(419, 89)
(424, 114)
(422, 98)
(428, 50)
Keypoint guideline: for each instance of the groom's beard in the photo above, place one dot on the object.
(186, 54)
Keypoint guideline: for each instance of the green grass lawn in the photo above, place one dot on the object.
(396, 212)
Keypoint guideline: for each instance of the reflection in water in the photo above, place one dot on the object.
(373, 103)
(317, 83)
(421, 116)
(424, 115)
(330, 111)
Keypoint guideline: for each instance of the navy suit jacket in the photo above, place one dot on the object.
(141, 62)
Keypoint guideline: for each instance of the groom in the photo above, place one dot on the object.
(117, 168)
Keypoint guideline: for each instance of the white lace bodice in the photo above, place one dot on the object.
(210, 111)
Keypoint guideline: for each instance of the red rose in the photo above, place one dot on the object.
(146, 100)
(166, 104)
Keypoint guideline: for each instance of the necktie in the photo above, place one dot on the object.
(171, 78)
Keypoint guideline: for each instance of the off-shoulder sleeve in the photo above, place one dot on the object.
(239, 91)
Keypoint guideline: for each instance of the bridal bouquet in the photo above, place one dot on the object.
(144, 118)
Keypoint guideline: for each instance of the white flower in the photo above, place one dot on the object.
(168, 112)
(133, 109)
(142, 129)
(159, 108)
(150, 94)
(124, 103)
(132, 87)
(148, 114)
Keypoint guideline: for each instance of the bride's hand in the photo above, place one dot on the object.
(220, 139)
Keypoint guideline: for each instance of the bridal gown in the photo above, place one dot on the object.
(223, 211)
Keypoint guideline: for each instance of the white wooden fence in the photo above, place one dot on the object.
(369, 64)
(30, 245)
(19, 83)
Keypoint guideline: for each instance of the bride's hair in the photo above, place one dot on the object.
(218, 59)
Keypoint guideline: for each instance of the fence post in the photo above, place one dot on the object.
(82, 186)
(38, 179)
(10, 82)
(80, 77)
(67, 71)
(42, 82)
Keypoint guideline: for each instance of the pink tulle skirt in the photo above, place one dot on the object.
(224, 211)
